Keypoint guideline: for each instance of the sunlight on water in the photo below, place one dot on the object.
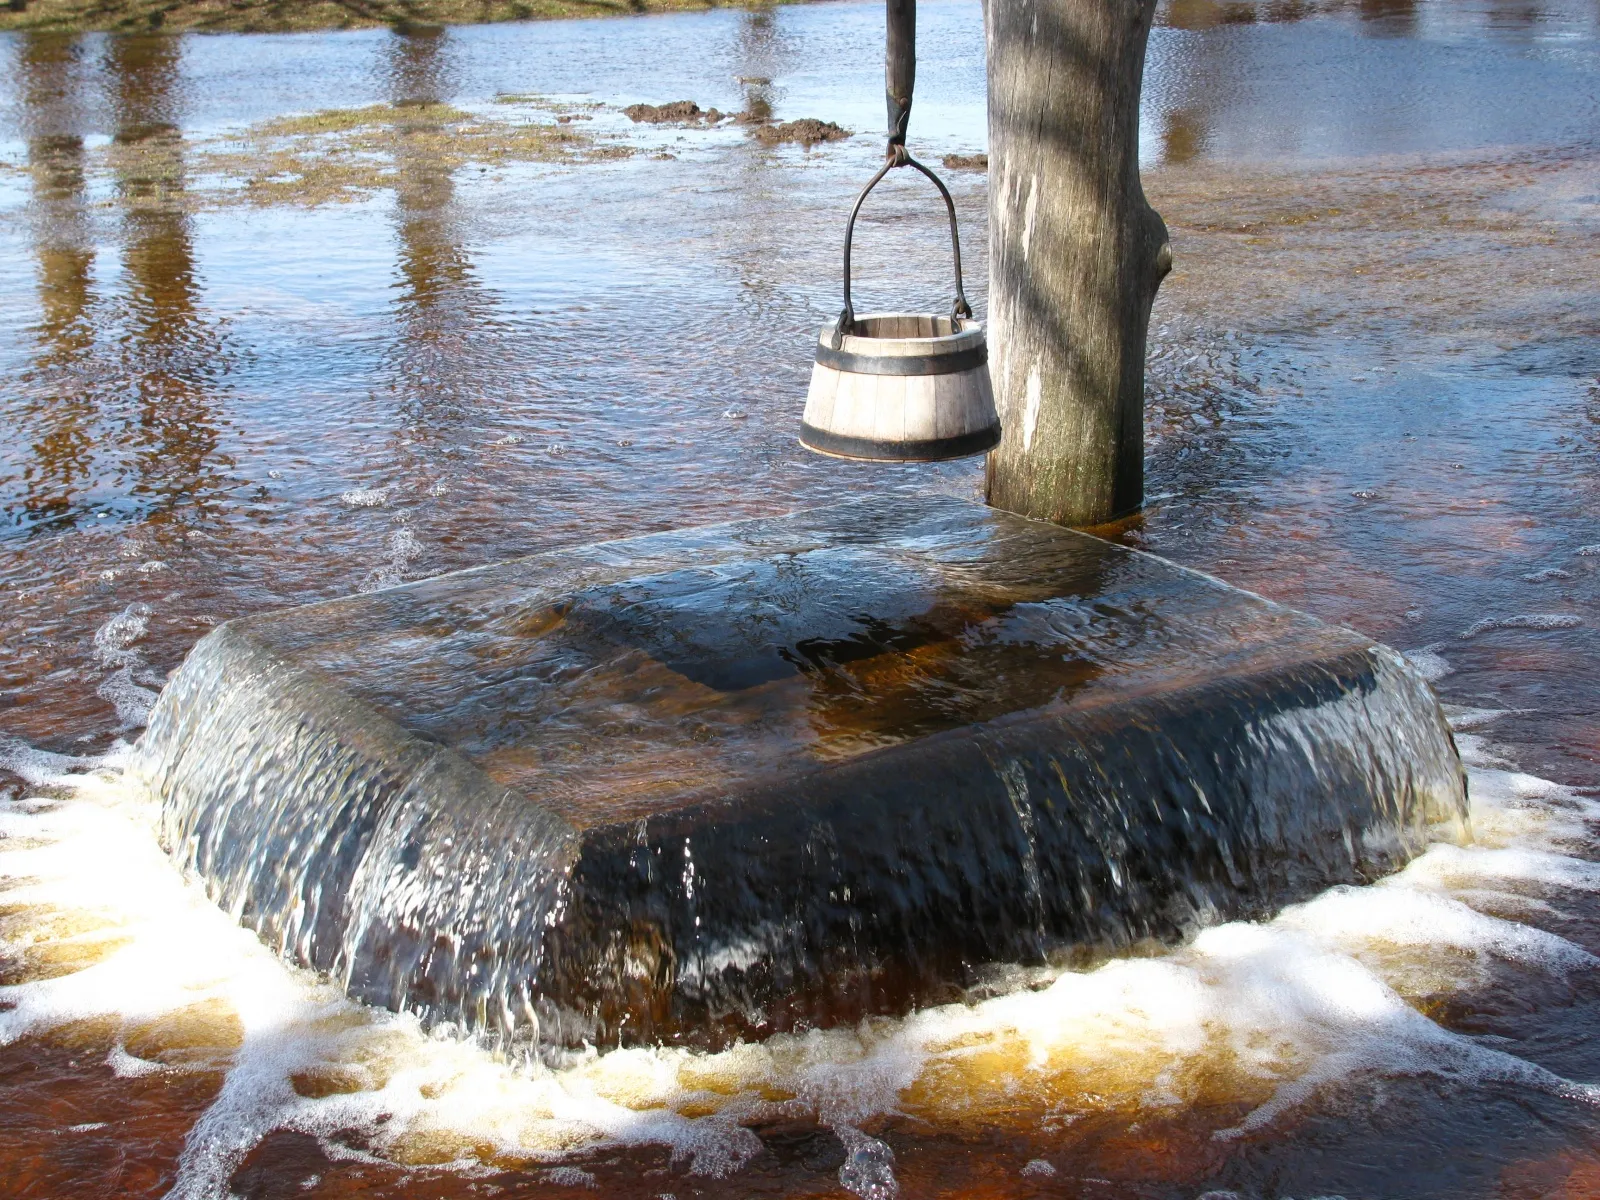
(1263, 1015)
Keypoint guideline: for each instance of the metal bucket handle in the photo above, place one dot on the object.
(898, 157)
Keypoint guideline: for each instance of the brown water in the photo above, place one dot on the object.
(1374, 395)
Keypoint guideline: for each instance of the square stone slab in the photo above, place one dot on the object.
(780, 773)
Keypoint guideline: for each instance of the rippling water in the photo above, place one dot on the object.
(1375, 395)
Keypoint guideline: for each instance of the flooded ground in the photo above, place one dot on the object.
(289, 318)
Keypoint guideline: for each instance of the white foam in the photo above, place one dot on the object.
(111, 640)
(113, 647)
(1541, 621)
(44, 769)
(403, 549)
(569, 1177)
(1462, 719)
(1370, 923)
(1428, 662)
(1272, 1012)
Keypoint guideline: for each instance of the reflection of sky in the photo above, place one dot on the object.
(1332, 87)
(1424, 77)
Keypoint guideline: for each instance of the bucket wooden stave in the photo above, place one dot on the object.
(902, 387)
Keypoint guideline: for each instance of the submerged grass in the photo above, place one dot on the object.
(287, 16)
(1446, 255)
(345, 154)
(339, 155)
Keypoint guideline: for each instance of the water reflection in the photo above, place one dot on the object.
(1199, 15)
(1389, 18)
(1334, 78)
(438, 304)
(1518, 21)
(1208, 14)
(756, 50)
(172, 356)
(760, 56)
(1500, 19)
(1183, 134)
(57, 412)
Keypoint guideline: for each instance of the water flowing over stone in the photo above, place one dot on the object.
(781, 773)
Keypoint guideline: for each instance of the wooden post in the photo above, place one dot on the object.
(900, 64)
(1075, 256)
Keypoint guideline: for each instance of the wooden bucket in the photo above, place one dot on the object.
(901, 387)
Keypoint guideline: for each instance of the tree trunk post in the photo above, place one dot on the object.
(1075, 256)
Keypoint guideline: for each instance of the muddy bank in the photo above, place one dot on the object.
(807, 131)
(275, 16)
(966, 162)
(1454, 253)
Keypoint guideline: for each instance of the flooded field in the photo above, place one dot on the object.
(285, 318)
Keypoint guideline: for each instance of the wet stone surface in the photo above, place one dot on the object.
(780, 773)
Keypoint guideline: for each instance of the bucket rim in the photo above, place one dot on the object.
(970, 334)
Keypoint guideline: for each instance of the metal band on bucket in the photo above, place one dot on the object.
(907, 364)
(873, 449)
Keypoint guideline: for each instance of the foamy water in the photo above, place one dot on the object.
(1262, 1015)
